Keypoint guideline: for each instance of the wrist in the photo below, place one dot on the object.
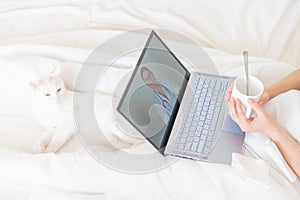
(277, 135)
(274, 90)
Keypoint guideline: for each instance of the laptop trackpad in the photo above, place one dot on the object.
(230, 125)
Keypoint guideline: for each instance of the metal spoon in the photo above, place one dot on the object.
(245, 54)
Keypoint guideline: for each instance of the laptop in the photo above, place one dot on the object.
(180, 113)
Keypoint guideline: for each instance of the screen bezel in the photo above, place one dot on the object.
(177, 104)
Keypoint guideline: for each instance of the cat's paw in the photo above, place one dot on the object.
(40, 146)
(42, 143)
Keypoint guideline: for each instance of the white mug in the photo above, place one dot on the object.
(239, 91)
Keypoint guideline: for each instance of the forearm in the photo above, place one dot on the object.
(290, 150)
(290, 82)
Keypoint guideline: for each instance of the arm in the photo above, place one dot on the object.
(290, 82)
(265, 123)
(290, 150)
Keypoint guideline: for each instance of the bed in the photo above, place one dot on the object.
(37, 35)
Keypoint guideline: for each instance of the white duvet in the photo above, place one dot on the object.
(36, 35)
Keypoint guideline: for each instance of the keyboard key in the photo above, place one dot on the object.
(217, 86)
(201, 81)
(196, 119)
(220, 99)
(206, 80)
(211, 133)
(187, 146)
(208, 144)
(200, 146)
(180, 146)
(203, 137)
(209, 138)
(194, 146)
(215, 118)
(214, 97)
(207, 121)
(199, 128)
(206, 150)
(213, 102)
(212, 83)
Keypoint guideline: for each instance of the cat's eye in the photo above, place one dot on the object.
(59, 90)
(48, 94)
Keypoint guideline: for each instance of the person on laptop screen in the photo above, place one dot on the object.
(165, 92)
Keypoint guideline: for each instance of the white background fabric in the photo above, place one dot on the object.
(37, 35)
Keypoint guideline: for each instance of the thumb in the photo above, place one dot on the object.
(255, 106)
(262, 100)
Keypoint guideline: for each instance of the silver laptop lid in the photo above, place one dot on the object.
(151, 99)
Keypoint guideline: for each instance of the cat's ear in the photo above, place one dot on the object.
(33, 84)
(55, 72)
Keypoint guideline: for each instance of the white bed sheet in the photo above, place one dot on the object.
(36, 35)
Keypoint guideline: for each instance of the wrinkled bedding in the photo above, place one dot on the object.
(37, 35)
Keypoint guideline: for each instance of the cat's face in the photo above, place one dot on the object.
(49, 88)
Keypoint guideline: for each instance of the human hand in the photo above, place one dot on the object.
(267, 95)
(229, 92)
(263, 122)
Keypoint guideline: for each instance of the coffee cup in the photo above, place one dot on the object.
(239, 91)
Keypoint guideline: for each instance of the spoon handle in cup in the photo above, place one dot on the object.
(245, 54)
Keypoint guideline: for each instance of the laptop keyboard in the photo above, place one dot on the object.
(200, 119)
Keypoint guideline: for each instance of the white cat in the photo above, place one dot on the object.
(53, 109)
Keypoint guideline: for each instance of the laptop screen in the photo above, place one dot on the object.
(151, 99)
